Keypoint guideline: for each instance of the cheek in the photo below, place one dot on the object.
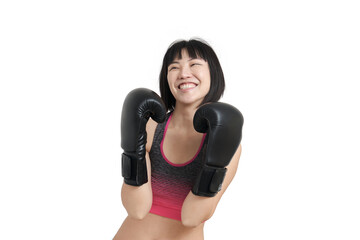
(206, 78)
(208, 84)
(171, 84)
(171, 76)
(170, 80)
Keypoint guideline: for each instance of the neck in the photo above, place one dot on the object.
(183, 116)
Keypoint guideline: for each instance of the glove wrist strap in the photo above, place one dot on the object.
(133, 170)
(209, 181)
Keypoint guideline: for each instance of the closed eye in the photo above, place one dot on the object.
(172, 68)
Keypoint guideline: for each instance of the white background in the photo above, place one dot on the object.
(291, 67)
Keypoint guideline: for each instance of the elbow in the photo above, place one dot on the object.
(194, 216)
(138, 214)
(192, 221)
(137, 201)
(139, 210)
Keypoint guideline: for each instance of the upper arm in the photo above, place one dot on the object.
(150, 131)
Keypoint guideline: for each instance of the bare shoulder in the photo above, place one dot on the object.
(150, 130)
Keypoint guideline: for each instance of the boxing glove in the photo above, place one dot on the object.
(139, 105)
(223, 125)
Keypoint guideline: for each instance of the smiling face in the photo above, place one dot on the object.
(195, 62)
(188, 79)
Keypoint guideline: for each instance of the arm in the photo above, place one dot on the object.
(197, 209)
(223, 124)
(138, 200)
(139, 105)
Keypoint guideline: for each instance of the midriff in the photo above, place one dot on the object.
(154, 227)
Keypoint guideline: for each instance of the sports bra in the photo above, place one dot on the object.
(171, 182)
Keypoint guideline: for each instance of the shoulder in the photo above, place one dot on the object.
(150, 130)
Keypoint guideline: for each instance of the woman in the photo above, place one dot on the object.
(166, 207)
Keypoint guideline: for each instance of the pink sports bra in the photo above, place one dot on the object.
(170, 182)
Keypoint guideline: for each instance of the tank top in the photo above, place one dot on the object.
(170, 182)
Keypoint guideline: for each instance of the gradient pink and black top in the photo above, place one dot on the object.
(170, 182)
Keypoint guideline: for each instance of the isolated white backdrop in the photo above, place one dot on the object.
(291, 67)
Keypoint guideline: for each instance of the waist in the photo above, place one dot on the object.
(155, 227)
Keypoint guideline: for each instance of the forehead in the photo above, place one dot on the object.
(186, 53)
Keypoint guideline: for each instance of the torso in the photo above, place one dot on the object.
(179, 147)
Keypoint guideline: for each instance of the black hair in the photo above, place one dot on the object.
(196, 48)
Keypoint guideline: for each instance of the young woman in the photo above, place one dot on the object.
(167, 206)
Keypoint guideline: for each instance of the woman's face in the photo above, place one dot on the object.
(189, 79)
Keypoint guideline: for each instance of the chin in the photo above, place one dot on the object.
(190, 102)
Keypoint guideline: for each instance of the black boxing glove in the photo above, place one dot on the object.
(223, 125)
(139, 105)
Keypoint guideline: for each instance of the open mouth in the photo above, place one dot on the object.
(184, 86)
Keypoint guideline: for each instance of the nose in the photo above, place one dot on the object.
(184, 72)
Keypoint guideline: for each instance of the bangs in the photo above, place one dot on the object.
(193, 49)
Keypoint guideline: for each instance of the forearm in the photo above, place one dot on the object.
(196, 210)
(137, 200)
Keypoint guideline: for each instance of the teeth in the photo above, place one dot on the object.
(187, 85)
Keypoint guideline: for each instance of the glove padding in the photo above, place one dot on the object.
(223, 125)
(139, 105)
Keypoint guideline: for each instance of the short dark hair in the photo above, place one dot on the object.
(196, 48)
